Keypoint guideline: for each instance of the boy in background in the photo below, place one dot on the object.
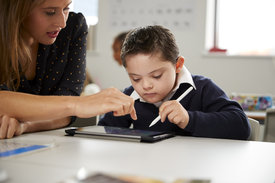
(158, 76)
(117, 45)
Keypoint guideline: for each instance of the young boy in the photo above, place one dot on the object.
(117, 45)
(158, 76)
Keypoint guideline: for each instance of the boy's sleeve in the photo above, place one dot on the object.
(118, 121)
(220, 117)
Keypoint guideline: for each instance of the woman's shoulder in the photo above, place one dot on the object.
(76, 26)
(76, 19)
(75, 22)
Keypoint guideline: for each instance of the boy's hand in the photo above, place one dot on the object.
(175, 113)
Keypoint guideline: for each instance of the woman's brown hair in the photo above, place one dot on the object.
(14, 52)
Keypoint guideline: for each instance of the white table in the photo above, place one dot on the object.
(222, 161)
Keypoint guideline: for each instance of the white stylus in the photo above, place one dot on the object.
(178, 99)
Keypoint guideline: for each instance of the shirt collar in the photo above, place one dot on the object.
(183, 77)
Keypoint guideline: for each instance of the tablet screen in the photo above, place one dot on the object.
(119, 131)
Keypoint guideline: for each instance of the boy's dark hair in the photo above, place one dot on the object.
(150, 40)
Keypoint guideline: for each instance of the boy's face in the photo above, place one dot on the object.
(151, 77)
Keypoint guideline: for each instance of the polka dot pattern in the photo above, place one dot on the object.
(60, 68)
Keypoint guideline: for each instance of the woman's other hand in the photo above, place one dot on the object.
(10, 127)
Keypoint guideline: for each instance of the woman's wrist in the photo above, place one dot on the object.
(23, 128)
(70, 106)
(74, 105)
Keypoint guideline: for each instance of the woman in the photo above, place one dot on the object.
(42, 56)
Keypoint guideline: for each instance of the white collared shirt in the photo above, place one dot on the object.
(183, 77)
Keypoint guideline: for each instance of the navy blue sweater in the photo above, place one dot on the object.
(211, 113)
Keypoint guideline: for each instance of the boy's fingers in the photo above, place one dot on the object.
(163, 115)
(164, 111)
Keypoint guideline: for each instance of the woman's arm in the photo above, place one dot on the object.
(22, 113)
(27, 107)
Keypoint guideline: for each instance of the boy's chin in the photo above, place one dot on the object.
(152, 101)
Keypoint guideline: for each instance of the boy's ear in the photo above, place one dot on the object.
(179, 64)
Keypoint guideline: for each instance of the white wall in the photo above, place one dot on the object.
(233, 74)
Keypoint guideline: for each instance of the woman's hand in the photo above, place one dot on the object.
(175, 113)
(107, 100)
(10, 127)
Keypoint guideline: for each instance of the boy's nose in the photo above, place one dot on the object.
(147, 85)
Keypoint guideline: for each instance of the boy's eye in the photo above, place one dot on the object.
(157, 76)
(135, 79)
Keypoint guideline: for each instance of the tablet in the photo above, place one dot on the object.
(118, 133)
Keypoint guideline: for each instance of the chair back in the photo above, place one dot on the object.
(255, 130)
(269, 134)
